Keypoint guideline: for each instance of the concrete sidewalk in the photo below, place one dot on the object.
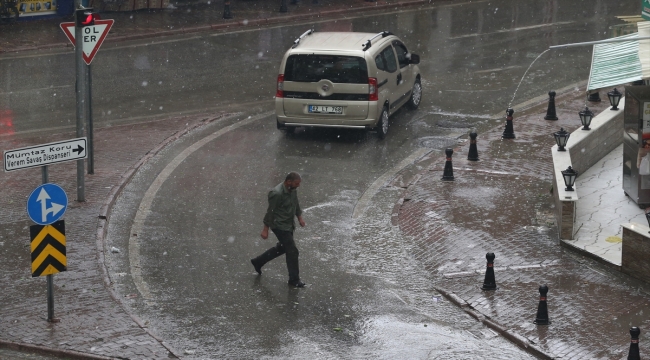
(198, 17)
(502, 204)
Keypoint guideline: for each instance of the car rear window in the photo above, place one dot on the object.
(335, 68)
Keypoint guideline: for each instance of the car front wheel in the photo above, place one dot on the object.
(416, 95)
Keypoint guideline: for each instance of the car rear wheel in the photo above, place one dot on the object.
(283, 127)
(382, 124)
(416, 95)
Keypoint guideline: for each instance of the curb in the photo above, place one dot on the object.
(104, 217)
(233, 24)
(517, 339)
(70, 354)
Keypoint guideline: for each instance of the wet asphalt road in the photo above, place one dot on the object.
(186, 270)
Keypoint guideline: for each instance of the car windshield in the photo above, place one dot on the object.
(337, 69)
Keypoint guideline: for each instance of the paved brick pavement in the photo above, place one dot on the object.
(502, 204)
(91, 320)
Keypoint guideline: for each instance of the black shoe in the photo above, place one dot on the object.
(257, 268)
(297, 284)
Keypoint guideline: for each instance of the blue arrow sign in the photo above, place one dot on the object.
(47, 204)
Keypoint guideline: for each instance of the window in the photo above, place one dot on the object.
(386, 60)
(381, 64)
(401, 54)
(337, 69)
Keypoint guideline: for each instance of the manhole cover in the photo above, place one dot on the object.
(437, 142)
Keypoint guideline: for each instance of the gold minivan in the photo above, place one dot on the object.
(346, 80)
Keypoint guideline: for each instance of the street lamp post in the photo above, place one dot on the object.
(569, 176)
(614, 98)
(561, 138)
(585, 118)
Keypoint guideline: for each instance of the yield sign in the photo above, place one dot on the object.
(93, 36)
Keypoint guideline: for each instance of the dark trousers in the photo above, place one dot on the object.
(285, 245)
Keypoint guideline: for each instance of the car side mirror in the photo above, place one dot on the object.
(415, 59)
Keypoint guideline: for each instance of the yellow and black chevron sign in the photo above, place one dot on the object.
(48, 249)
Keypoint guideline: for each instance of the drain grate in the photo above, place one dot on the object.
(437, 142)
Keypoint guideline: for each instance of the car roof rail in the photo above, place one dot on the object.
(368, 43)
(297, 41)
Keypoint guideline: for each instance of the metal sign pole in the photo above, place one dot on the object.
(80, 90)
(89, 113)
(50, 278)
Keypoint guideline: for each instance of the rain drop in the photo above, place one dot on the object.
(145, 83)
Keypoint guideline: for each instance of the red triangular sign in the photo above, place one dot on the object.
(93, 36)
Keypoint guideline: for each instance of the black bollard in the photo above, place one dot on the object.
(594, 97)
(283, 6)
(226, 10)
(509, 132)
(472, 155)
(550, 112)
(489, 283)
(542, 309)
(448, 174)
(634, 344)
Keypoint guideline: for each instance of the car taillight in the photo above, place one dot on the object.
(373, 95)
(279, 92)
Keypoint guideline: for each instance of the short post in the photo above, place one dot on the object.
(489, 283)
(593, 97)
(226, 10)
(542, 308)
(550, 112)
(509, 132)
(448, 174)
(472, 155)
(634, 344)
(283, 6)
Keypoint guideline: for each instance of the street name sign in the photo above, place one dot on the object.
(48, 249)
(46, 204)
(93, 36)
(41, 155)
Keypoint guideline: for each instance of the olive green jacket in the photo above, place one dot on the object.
(283, 207)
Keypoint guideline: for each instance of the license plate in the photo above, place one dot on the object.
(319, 109)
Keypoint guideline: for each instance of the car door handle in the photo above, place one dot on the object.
(399, 78)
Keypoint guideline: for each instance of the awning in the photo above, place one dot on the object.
(618, 63)
(644, 48)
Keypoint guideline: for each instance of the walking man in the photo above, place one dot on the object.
(283, 206)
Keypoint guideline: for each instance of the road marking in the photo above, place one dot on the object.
(513, 30)
(144, 118)
(145, 205)
(364, 200)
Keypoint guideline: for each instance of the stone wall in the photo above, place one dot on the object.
(584, 149)
(587, 147)
(636, 251)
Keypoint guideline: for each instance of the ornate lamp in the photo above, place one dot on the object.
(569, 176)
(561, 138)
(614, 98)
(585, 118)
